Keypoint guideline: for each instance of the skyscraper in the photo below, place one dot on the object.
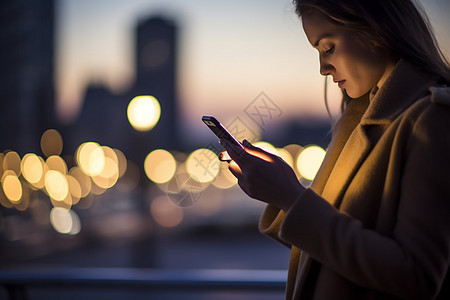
(26, 73)
(103, 117)
(156, 62)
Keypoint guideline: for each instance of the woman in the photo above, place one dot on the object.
(375, 223)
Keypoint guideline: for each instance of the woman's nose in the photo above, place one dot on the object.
(325, 67)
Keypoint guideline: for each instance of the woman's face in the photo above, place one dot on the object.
(345, 57)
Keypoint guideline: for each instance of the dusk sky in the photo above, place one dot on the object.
(229, 52)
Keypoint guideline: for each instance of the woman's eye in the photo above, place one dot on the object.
(330, 50)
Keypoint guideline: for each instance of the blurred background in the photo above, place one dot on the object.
(105, 161)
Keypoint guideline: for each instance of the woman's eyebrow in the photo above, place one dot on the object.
(321, 37)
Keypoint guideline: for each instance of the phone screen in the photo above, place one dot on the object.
(219, 130)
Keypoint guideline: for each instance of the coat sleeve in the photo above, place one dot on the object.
(270, 223)
(413, 261)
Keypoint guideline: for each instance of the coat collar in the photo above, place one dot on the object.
(403, 87)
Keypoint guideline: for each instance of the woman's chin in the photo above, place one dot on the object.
(355, 94)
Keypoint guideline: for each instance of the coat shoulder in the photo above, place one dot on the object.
(440, 95)
(432, 110)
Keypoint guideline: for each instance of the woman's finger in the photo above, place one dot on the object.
(235, 170)
(258, 152)
(237, 153)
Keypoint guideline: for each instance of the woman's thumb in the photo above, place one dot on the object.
(247, 144)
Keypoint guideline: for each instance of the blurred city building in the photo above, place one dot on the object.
(103, 117)
(26, 73)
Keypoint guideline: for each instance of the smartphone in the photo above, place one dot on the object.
(222, 133)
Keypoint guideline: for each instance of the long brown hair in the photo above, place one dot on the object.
(400, 26)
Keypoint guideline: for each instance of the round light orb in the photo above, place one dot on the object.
(160, 166)
(309, 161)
(203, 165)
(143, 112)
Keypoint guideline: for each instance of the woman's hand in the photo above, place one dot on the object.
(263, 176)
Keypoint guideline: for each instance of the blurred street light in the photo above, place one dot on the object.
(309, 161)
(143, 112)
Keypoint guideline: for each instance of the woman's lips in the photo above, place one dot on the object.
(340, 83)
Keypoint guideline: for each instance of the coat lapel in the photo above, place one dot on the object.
(353, 154)
(350, 118)
(405, 86)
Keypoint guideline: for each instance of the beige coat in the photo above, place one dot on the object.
(375, 223)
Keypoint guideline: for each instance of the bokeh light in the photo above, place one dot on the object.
(74, 188)
(184, 178)
(66, 203)
(51, 143)
(143, 112)
(309, 161)
(56, 163)
(83, 179)
(24, 202)
(203, 165)
(182, 189)
(65, 221)
(109, 152)
(293, 149)
(225, 179)
(76, 223)
(286, 156)
(268, 147)
(97, 168)
(12, 186)
(97, 190)
(165, 213)
(56, 185)
(160, 166)
(109, 175)
(12, 162)
(122, 162)
(91, 158)
(41, 183)
(32, 169)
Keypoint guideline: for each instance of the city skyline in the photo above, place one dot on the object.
(229, 53)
